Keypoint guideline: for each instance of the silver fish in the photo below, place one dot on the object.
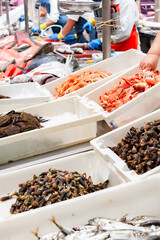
(107, 224)
(101, 228)
(65, 231)
(141, 219)
(81, 235)
(78, 50)
(85, 227)
(53, 236)
(100, 236)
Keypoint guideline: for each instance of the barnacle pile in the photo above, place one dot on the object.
(140, 148)
(50, 187)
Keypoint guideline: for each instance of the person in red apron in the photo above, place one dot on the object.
(129, 43)
(126, 36)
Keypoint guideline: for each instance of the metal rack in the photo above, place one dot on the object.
(0, 7)
(26, 16)
(7, 9)
(106, 33)
(157, 10)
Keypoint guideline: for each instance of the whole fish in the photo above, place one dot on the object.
(106, 224)
(4, 65)
(41, 60)
(101, 228)
(42, 50)
(53, 236)
(81, 235)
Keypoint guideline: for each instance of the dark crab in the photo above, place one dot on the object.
(17, 122)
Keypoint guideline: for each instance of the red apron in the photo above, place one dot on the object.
(131, 42)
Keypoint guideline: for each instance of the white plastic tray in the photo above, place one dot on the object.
(136, 198)
(113, 65)
(22, 95)
(110, 139)
(90, 163)
(145, 103)
(70, 122)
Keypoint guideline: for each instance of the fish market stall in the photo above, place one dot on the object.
(18, 49)
(19, 55)
(79, 145)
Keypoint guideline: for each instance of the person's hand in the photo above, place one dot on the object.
(141, 16)
(22, 18)
(88, 26)
(71, 37)
(95, 44)
(36, 29)
(54, 37)
(150, 62)
(43, 26)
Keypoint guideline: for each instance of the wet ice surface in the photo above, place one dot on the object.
(60, 119)
(30, 91)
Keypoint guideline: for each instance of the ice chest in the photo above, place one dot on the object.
(101, 144)
(141, 105)
(70, 122)
(90, 163)
(131, 199)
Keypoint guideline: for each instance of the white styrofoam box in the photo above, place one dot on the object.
(111, 139)
(90, 163)
(22, 95)
(113, 65)
(143, 104)
(131, 199)
(70, 122)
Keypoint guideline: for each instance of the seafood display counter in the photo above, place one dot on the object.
(54, 172)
